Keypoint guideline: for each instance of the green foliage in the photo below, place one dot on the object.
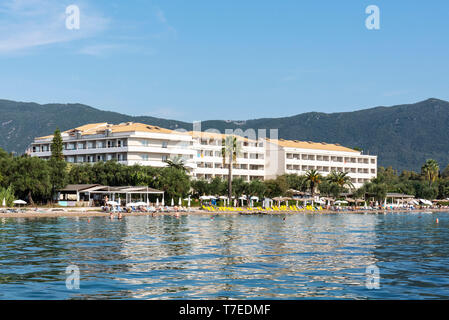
(257, 188)
(430, 171)
(57, 146)
(297, 182)
(200, 188)
(175, 182)
(176, 163)
(30, 178)
(8, 195)
(276, 187)
(313, 178)
(239, 187)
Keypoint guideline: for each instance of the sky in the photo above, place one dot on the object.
(228, 60)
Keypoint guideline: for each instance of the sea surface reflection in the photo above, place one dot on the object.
(227, 257)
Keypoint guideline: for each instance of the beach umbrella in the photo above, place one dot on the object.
(180, 202)
(112, 203)
(163, 202)
(340, 201)
(4, 202)
(188, 204)
(172, 202)
(19, 202)
(157, 202)
(141, 203)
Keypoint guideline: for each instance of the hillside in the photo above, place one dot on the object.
(403, 136)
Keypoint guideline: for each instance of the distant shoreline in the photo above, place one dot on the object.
(89, 214)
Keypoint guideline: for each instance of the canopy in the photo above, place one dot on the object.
(341, 201)
(112, 203)
(426, 201)
(207, 197)
(19, 202)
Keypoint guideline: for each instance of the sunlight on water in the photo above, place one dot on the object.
(233, 256)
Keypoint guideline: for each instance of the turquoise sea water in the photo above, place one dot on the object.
(234, 256)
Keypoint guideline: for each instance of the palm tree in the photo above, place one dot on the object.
(430, 170)
(314, 179)
(230, 149)
(176, 163)
(341, 178)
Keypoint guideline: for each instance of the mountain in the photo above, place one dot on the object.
(402, 136)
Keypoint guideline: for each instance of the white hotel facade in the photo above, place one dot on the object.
(136, 143)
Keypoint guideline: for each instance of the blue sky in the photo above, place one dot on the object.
(198, 60)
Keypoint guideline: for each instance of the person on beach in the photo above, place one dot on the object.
(111, 216)
(120, 216)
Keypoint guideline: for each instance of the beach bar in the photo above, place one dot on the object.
(88, 194)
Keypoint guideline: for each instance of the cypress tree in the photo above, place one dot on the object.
(58, 166)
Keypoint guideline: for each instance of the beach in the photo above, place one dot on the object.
(42, 213)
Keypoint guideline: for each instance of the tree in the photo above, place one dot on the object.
(7, 194)
(276, 187)
(57, 146)
(217, 186)
(341, 178)
(176, 163)
(297, 182)
(58, 166)
(30, 178)
(257, 188)
(430, 170)
(230, 149)
(239, 187)
(200, 187)
(175, 182)
(314, 179)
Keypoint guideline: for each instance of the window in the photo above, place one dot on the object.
(164, 158)
(144, 157)
(164, 144)
(144, 143)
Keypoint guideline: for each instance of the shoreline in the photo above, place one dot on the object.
(90, 214)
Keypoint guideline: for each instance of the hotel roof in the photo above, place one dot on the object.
(216, 136)
(311, 145)
(99, 128)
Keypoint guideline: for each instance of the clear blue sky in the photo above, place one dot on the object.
(202, 59)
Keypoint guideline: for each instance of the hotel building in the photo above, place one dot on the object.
(136, 143)
(287, 156)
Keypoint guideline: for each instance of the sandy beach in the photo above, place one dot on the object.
(43, 213)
